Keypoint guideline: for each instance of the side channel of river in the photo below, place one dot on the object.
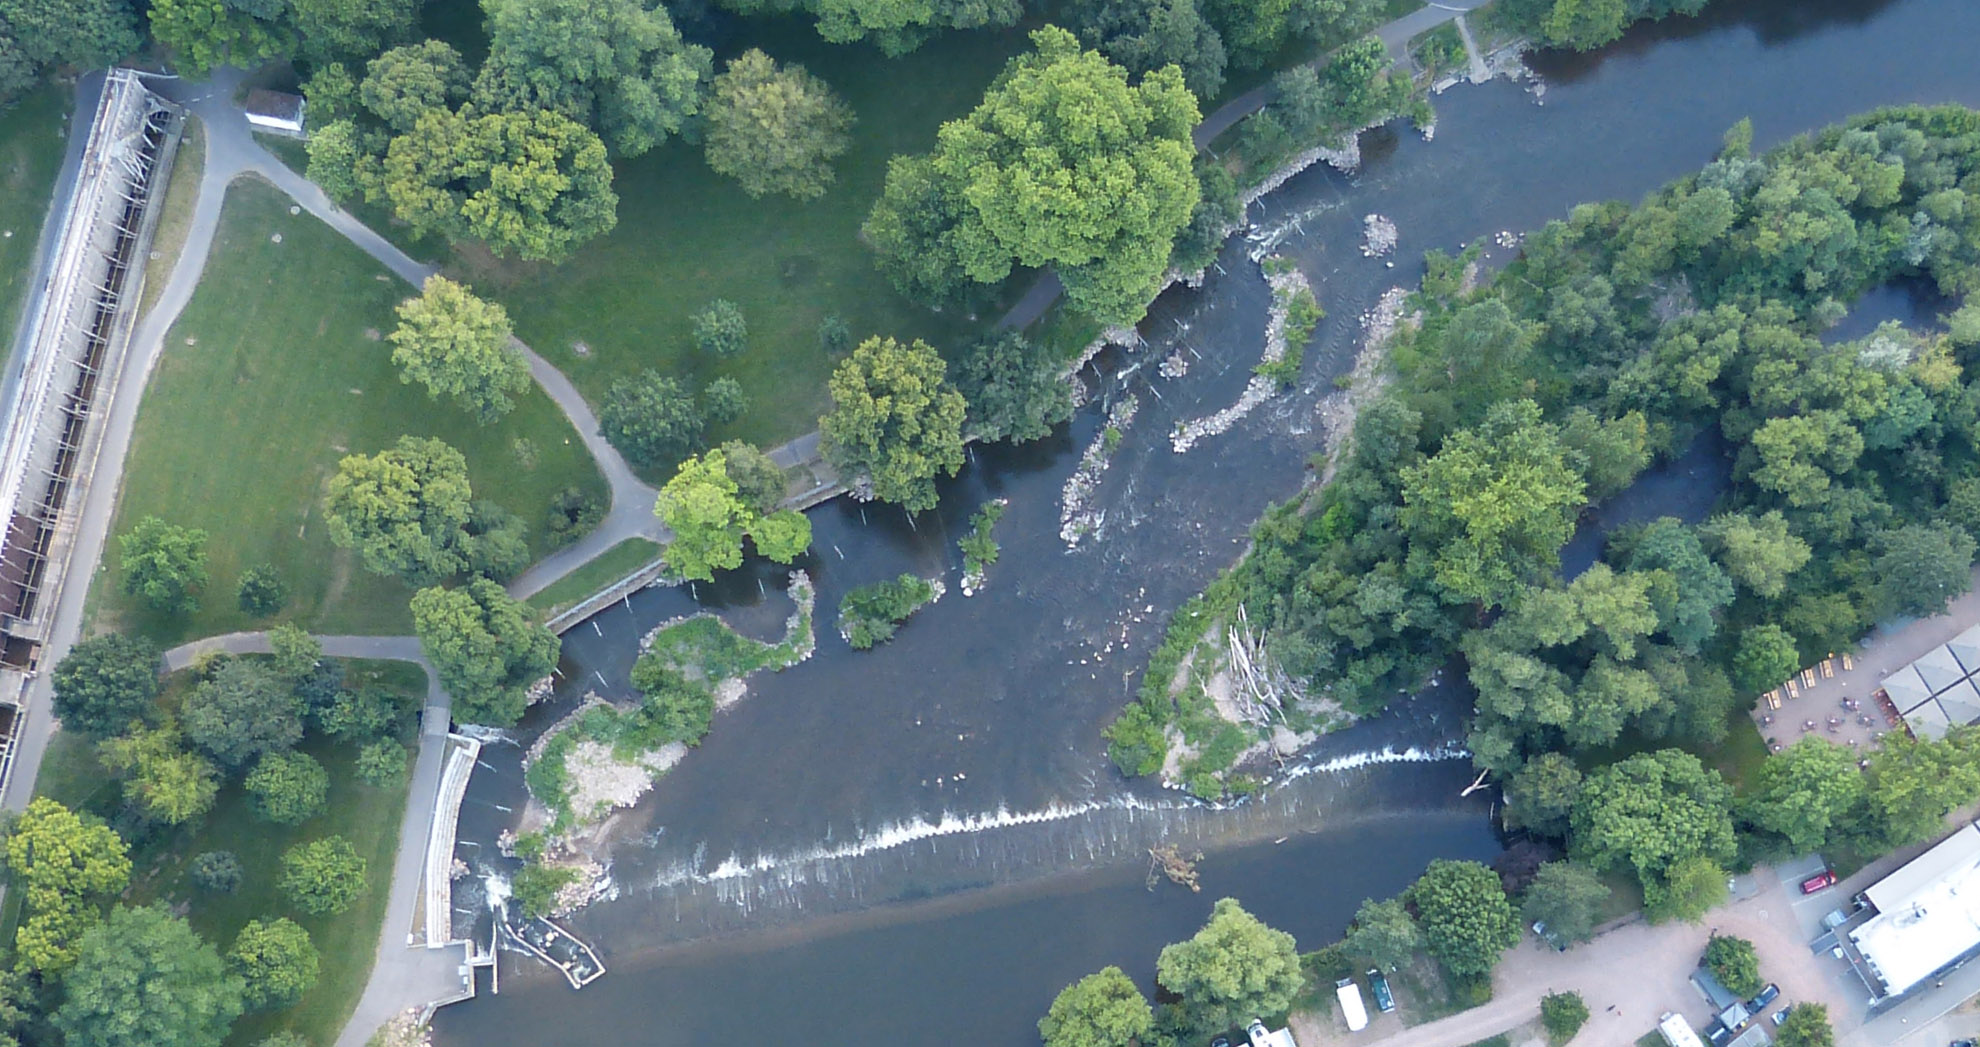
(966, 753)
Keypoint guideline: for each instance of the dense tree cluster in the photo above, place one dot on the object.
(895, 420)
(710, 514)
(488, 647)
(38, 35)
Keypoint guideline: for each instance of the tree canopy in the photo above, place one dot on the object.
(1651, 810)
(1734, 963)
(276, 961)
(1014, 388)
(323, 876)
(651, 418)
(1063, 164)
(775, 130)
(287, 788)
(896, 420)
(1384, 934)
(62, 863)
(1234, 969)
(487, 646)
(1568, 898)
(163, 564)
(457, 345)
(104, 683)
(404, 509)
(1467, 921)
(144, 978)
(241, 712)
(1103, 1009)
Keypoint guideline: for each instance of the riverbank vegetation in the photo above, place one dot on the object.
(238, 435)
(979, 546)
(192, 810)
(870, 614)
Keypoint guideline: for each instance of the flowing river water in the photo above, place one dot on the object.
(925, 842)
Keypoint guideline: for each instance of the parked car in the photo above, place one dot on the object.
(1767, 995)
(1554, 940)
(1385, 1001)
(1220, 1041)
(1965, 1043)
(1717, 1034)
(1781, 1015)
(1825, 878)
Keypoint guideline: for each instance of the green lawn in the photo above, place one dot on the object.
(604, 569)
(687, 235)
(284, 375)
(175, 213)
(32, 141)
(366, 816)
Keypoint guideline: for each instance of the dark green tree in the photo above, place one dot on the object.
(1568, 898)
(144, 978)
(1467, 921)
(487, 646)
(1562, 1014)
(261, 592)
(1013, 388)
(1145, 35)
(1921, 567)
(242, 712)
(1734, 963)
(276, 961)
(1650, 810)
(216, 871)
(288, 788)
(104, 683)
(1542, 793)
(652, 419)
(1766, 656)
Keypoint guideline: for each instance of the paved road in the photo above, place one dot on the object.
(1395, 35)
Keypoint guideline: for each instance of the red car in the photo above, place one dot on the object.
(1825, 878)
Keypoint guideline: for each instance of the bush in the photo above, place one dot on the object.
(1734, 962)
(535, 887)
(382, 764)
(719, 329)
(870, 614)
(288, 788)
(1563, 1013)
(323, 876)
(573, 512)
(216, 871)
(261, 593)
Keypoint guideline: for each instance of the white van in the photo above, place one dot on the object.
(1350, 997)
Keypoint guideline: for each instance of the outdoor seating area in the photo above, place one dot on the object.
(1836, 698)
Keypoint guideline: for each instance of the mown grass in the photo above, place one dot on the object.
(274, 373)
(368, 817)
(33, 138)
(602, 570)
(175, 212)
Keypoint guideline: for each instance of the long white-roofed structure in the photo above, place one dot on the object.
(1927, 916)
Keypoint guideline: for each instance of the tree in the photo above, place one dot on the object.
(276, 961)
(163, 564)
(404, 83)
(1013, 387)
(342, 162)
(61, 863)
(1735, 964)
(1542, 793)
(323, 876)
(242, 712)
(1467, 921)
(650, 418)
(1688, 589)
(1384, 934)
(834, 336)
(86, 33)
(1651, 810)
(1063, 164)
(353, 28)
(261, 592)
(1758, 553)
(487, 646)
(404, 509)
(1234, 969)
(362, 714)
(1144, 35)
(1807, 1025)
(293, 652)
(104, 683)
(1915, 783)
(1563, 1014)
(782, 536)
(618, 67)
(1100, 1010)
(143, 978)
(457, 345)
(201, 34)
(896, 420)
(217, 871)
(1805, 792)
(725, 400)
(775, 130)
(1491, 509)
(759, 481)
(1765, 657)
(1584, 24)
(1568, 898)
(719, 329)
(288, 788)
(1921, 567)
(382, 763)
(701, 507)
(526, 182)
(674, 709)
(166, 782)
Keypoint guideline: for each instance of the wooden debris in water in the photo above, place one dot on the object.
(1169, 861)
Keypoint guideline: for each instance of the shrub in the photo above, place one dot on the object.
(382, 764)
(535, 887)
(870, 614)
(1563, 1013)
(217, 871)
(261, 593)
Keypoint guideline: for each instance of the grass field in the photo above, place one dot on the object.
(273, 374)
(366, 816)
(33, 138)
(604, 569)
(175, 213)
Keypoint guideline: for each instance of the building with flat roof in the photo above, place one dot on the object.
(1926, 916)
(275, 111)
(1941, 689)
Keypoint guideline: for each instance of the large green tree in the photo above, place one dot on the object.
(1467, 921)
(1759, 553)
(1735, 963)
(618, 67)
(1914, 783)
(1063, 164)
(323, 876)
(276, 961)
(1765, 656)
(1651, 810)
(1921, 567)
(41, 33)
(775, 130)
(144, 978)
(1567, 897)
(702, 508)
(1103, 1009)
(1805, 792)
(104, 683)
(163, 564)
(457, 345)
(651, 418)
(201, 34)
(287, 788)
(1384, 934)
(402, 84)
(1233, 970)
(529, 183)
(62, 864)
(404, 509)
(1015, 388)
(333, 29)
(164, 782)
(1807, 1025)
(488, 647)
(244, 710)
(896, 420)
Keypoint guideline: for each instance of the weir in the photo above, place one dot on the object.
(77, 330)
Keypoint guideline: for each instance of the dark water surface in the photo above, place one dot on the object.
(966, 754)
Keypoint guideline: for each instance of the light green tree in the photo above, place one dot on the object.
(775, 130)
(1234, 969)
(201, 34)
(1651, 810)
(782, 536)
(405, 510)
(1805, 792)
(1758, 552)
(487, 646)
(457, 345)
(1103, 1009)
(144, 978)
(276, 961)
(163, 564)
(1384, 933)
(288, 788)
(323, 876)
(896, 420)
(61, 863)
(1467, 921)
(1807, 1025)
(700, 505)
(402, 84)
(1766, 656)
(720, 330)
(165, 781)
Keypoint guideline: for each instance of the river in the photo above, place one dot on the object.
(925, 841)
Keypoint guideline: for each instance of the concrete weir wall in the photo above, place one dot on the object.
(77, 330)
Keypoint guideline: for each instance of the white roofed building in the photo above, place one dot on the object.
(1927, 916)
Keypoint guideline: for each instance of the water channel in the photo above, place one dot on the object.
(924, 842)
